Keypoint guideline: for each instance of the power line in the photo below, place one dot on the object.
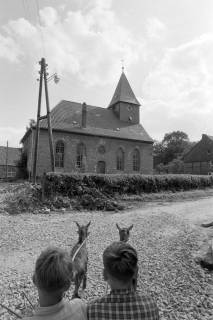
(28, 10)
(25, 9)
(39, 21)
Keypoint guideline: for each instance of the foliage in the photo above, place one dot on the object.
(22, 198)
(176, 166)
(173, 146)
(106, 186)
(22, 166)
(32, 124)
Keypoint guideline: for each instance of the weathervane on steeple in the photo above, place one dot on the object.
(122, 65)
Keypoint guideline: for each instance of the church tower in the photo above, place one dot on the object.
(124, 103)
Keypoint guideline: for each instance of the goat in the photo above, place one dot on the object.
(124, 233)
(79, 256)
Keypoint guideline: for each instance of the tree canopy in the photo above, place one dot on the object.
(173, 146)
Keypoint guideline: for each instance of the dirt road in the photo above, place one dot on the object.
(165, 235)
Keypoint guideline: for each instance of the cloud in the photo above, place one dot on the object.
(182, 83)
(12, 135)
(155, 29)
(88, 43)
(9, 49)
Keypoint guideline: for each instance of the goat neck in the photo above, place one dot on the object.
(81, 238)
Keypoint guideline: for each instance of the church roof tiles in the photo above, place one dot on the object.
(67, 116)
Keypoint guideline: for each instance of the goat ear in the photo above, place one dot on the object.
(78, 225)
(118, 227)
(130, 228)
(88, 224)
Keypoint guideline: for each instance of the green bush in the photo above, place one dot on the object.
(101, 186)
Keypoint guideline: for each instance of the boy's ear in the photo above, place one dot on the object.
(105, 275)
(34, 279)
(78, 225)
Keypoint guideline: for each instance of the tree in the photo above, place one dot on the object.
(174, 144)
(32, 124)
(22, 166)
(176, 166)
(158, 153)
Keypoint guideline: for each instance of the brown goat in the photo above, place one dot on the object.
(79, 256)
(124, 232)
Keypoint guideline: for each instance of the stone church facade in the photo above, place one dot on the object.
(93, 139)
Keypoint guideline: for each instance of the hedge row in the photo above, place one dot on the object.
(72, 185)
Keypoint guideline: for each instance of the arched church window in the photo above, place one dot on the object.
(120, 159)
(59, 154)
(136, 160)
(81, 156)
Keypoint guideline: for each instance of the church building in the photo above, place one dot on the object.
(94, 139)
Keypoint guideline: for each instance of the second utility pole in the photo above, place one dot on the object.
(43, 76)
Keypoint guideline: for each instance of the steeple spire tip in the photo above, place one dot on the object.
(122, 65)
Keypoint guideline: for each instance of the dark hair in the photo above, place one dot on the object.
(120, 261)
(53, 270)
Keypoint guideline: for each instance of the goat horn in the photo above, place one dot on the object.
(88, 224)
(118, 227)
(130, 228)
(78, 225)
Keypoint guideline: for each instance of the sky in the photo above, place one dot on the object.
(166, 46)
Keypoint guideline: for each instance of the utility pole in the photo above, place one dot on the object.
(7, 161)
(43, 76)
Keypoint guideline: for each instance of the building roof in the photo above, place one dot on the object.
(13, 155)
(123, 92)
(201, 151)
(67, 116)
(210, 137)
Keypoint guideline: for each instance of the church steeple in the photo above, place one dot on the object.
(123, 92)
(124, 103)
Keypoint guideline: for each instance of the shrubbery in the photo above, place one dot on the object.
(73, 185)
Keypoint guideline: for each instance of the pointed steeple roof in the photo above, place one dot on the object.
(123, 92)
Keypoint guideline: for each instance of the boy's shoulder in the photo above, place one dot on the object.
(75, 308)
(135, 297)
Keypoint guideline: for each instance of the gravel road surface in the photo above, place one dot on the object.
(165, 234)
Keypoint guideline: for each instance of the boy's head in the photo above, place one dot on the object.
(120, 262)
(53, 271)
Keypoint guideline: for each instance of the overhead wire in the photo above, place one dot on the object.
(25, 9)
(28, 9)
(40, 25)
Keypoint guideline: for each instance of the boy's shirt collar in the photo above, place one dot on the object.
(50, 309)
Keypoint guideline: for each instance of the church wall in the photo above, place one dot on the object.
(92, 154)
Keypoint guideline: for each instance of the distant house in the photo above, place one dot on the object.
(8, 162)
(199, 160)
(94, 139)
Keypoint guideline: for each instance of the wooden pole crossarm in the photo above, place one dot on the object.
(43, 117)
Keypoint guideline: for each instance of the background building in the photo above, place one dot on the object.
(9, 158)
(199, 160)
(93, 139)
